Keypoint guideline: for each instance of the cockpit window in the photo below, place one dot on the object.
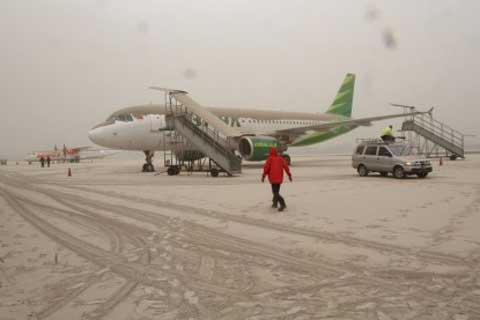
(121, 117)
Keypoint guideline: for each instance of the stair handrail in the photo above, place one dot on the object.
(219, 143)
(441, 129)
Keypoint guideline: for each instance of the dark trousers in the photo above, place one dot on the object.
(388, 139)
(277, 198)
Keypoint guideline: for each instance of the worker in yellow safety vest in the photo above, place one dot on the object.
(387, 134)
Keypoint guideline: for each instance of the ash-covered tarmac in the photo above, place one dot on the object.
(112, 243)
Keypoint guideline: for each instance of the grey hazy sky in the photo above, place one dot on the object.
(67, 64)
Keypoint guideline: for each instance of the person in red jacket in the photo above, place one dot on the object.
(274, 167)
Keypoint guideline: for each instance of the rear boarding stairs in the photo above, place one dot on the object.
(433, 135)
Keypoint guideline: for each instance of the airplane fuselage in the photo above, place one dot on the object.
(143, 127)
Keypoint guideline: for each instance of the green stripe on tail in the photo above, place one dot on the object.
(342, 104)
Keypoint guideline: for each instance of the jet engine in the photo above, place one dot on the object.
(256, 148)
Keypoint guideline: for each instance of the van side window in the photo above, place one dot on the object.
(360, 149)
(384, 152)
(371, 151)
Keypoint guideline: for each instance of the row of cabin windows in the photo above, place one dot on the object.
(128, 118)
(279, 121)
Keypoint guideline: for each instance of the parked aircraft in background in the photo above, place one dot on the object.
(143, 127)
(69, 154)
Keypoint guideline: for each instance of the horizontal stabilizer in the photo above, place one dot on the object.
(168, 91)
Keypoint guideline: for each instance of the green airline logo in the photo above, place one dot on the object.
(230, 121)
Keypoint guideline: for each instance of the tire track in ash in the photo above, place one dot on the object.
(220, 241)
(117, 297)
(203, 235)
(147, 277)
(399, 274)
(106, 307)
(387, 283)
(368, 282)
(78, 218)
(424, 255)
(86, 283)
(117, 265)
(124, 291)
(239, 245)
(208, 237)
(133, 272)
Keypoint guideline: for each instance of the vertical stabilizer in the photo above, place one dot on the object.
(342, 104)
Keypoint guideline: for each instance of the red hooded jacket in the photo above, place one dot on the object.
(274, 167)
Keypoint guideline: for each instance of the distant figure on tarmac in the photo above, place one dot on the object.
(387, 134)
(48, 161)
(42, 161)
(274, 167)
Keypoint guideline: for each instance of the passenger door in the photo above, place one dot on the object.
(370, 157)
(157, 122)
(385, 159)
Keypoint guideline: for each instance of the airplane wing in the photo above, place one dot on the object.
(347, 122)
(99, 154)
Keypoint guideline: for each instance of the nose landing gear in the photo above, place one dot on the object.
(148, 165)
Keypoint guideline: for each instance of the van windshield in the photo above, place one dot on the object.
(400, 150)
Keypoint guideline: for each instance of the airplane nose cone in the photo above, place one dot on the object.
(95, 136)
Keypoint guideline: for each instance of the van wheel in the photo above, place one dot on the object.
(422, 175)
(398, 172)
(362, 171)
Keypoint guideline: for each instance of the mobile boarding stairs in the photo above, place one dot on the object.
(202, 129)
(433, 135)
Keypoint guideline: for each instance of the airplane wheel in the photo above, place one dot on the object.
(171, 171)
(177, 170)
(214, 172)
(145, 167)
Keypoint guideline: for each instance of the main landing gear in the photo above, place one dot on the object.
(148, 165)
(287, 158)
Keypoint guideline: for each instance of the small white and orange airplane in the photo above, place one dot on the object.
(69, 154)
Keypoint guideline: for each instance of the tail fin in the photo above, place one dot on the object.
(342, 104)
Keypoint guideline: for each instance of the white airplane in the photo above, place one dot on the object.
(143, 127)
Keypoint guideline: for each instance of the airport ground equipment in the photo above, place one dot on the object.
(191, 128)
(434, 138)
